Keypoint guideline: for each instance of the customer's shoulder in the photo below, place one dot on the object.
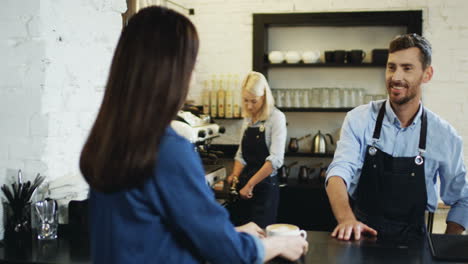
(173, 145)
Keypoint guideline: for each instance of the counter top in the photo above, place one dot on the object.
(325, 249)
(322, 249)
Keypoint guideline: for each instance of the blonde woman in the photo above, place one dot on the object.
(260, 154)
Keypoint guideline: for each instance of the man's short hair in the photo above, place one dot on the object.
(411, 40)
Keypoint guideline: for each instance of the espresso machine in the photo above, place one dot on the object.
(200, 130)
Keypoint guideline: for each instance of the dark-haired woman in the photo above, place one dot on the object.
(149, 202)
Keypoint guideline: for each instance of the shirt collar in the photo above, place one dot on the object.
(249, 119)
(392, 117)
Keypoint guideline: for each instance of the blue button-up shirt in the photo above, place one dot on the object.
(443, 156)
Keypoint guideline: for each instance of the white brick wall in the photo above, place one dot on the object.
(225, 29)
(55, 57)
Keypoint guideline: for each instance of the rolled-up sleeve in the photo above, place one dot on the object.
(347, 159)
(278, 140)
(454, 188)
(239, 156)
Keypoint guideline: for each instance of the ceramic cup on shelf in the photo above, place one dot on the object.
(339, 56)
(329, 56)
(292, 57)
(311, 56)
(355, 56)
(276, 57)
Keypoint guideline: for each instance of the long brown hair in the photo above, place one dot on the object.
(147, 85)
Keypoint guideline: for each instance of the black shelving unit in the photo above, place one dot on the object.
(314, 109)
(302, 154)
(412, 20)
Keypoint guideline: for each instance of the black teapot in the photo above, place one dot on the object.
(294, 143)
(303, 175)
(283, 172)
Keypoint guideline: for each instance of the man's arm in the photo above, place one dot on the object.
(347, 223)
(454, 187)
(342, 171)
(454, 228)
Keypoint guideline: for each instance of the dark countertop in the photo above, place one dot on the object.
(325, 249)
(62, 250)
(322, 249)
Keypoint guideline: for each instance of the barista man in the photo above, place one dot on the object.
(260, 154)
(391, 153)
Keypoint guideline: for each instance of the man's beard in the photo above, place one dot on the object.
(411, 94)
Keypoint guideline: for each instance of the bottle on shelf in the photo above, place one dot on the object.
(206, 98)
(221, 97)
(228, 98)
(213, 97)
(236, 97)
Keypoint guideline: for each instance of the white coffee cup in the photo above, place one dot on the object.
(285, 230)
(311, 56)
(292, 57)
(276, 56)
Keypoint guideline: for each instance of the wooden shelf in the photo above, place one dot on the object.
(325, 65)
(303, 154)
(314, 109)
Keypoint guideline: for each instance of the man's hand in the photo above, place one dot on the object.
(454, 228)
(251, 228)
(246, 192)
(345, 229)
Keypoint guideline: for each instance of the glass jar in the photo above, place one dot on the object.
(335, 98)
(287, 98)
(297, 98)
(324, 97)
(315, 97)
(305, 98)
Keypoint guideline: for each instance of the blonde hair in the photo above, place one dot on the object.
(256, 84)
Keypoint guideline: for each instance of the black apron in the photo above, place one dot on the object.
(262, 207)
(391, 196)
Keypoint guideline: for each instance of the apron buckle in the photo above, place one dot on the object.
(419, 160)
(372, 151)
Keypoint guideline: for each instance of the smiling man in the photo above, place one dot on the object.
(391, 153)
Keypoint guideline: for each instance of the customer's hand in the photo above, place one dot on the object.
(246, 192)
(288, 247)
(251, 228)
(345, 229)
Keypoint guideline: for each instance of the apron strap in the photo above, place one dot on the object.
(378, 124)
(422, 137)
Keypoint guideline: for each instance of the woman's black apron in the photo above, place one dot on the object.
(391, 196)
(262, 207)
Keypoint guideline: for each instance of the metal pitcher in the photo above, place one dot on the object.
(319, 143)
